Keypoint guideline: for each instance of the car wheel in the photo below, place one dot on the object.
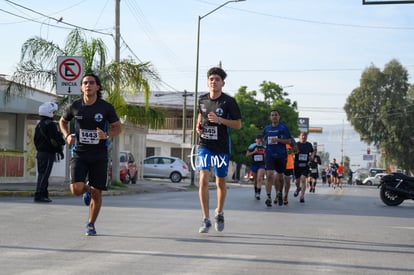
(175, 177)
(369, 182)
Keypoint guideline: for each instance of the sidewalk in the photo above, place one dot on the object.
(57, 187)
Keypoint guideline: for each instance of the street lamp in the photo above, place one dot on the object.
(196, 78)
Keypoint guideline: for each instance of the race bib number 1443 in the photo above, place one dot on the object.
(88, 136)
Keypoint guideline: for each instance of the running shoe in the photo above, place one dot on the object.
(285, 200)
(219, 225)
(87, 198)
(90, 229)
(257, 196)
(296, 192)
(205, 226)
(302, 199)
(268, 202)
(279, 198)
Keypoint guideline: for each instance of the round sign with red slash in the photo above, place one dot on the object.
(69, 75)
(70, 69)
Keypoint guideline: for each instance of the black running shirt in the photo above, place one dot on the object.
(216, 137)
(87, 119)
(302, 157)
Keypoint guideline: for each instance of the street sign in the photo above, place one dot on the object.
(368, 157)
(384, 2)
(69, 75)
(303, 123)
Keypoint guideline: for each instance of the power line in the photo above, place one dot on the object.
(323, 22)
(34, 20)
(152, 36)
(58, 20)
(71, 26)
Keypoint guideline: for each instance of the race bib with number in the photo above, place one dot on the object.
(88, 136)
(210, 132)
(258, 158)
(272, 139)
(303, 157)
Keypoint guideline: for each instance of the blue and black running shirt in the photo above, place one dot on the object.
(87, 119)
(276, 149)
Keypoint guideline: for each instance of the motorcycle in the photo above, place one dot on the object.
(395, 188)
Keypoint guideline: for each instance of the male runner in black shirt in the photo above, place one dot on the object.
(95, 123)
(217, 112)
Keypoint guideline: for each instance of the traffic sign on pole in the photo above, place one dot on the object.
(303, 123)
(69, 75)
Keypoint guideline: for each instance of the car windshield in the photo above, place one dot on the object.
(122, 157)
(374, 171)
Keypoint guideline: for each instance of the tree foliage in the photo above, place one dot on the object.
(381, 110)
(256, 115)
(38, 63)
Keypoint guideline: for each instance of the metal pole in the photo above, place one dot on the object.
(342, 142)
(115, 140)
(195, 109)
(184, 123)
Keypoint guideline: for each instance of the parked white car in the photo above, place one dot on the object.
(165, 167)
(375, 180)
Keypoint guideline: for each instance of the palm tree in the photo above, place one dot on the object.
(37, 68)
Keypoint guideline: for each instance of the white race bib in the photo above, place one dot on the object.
(210, 132)
(258, 158)
(88, 136)
(272, 139)
(303, 157)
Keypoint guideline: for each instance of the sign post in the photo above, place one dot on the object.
(69, 75)
(303, 123)
(68, 82)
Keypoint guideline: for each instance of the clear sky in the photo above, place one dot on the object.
(316, 48)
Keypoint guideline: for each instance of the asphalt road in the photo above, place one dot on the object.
(347, 231)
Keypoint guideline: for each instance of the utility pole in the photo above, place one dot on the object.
(184, 122)
(342, 141)
(117, 30)
(115, 140)
(184, 117)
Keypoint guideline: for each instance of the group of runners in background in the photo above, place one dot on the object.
(278, 156)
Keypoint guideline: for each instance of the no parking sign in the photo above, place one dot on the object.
(69, 75)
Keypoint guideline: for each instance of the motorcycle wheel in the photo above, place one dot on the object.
(390, 198)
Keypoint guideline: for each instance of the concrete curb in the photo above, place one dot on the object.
(61, 189)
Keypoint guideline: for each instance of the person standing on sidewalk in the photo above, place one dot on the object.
(257, 167)
(276, 135)
(217, 112)
(95, 123)
(49, 145)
